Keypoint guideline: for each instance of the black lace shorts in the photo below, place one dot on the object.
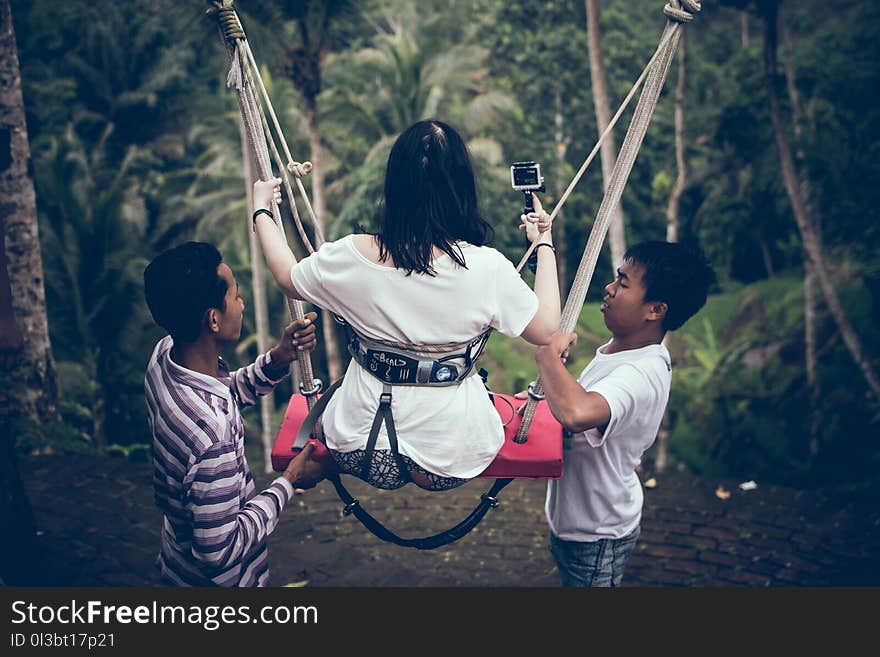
(385, 472)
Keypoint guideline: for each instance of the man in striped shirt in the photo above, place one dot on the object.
(215, 525)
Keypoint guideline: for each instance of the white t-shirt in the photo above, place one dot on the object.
(599, 494)
(451, 431)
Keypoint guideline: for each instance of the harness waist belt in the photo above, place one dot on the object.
(412, 368)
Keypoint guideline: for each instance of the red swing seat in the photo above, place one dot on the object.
(540, 457)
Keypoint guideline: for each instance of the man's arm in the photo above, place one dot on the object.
(222, 532)
(261, 376)
(574, 408)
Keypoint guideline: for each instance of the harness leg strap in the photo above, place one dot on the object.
(383, 415)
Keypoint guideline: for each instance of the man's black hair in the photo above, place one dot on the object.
(430, 198)
(675, 274)
(181, 284)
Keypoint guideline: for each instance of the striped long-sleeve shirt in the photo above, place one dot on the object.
(215, 525)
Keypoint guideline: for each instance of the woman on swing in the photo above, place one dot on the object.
(426, 278)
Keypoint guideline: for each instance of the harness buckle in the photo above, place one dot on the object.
(534, 395)
(317, 386)
(493, 502)
(350, 507)
(385, 399)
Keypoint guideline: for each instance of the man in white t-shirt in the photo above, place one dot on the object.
(613, 410)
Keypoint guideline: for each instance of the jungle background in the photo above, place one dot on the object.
(773, 172)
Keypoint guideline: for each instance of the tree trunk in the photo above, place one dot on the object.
(616, 236)
(30, 392)
(328, 324)
(261, 315)
(800, 210)
(765, 256)
(672, 221)
(744, 28)
(810, 356)
(562, 142)
(798, 120)
(34, 394)
(672, 208)
(661, 459)
(99, 407)
(810, 301)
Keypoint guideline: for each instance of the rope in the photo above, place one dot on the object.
(602, 137)
(254, 122)
(242, 59)
(293, 208)
(296, 168)
(653, 76)
(229, 24)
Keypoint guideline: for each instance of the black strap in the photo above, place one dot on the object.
(257, 213)
(383, 414)
(488, 499)
(352, 506)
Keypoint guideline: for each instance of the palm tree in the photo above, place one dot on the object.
(31, 390)
(34, 397)
(94, 228)
(406, 75)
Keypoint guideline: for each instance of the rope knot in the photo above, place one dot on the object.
(229, 23)
(684, 14)
(299, 169)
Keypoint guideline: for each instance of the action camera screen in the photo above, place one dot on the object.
(525, 176)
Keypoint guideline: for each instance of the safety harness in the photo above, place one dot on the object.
(397, 364)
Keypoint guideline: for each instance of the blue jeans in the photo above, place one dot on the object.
(600, 563)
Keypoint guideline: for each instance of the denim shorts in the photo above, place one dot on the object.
(597, 563)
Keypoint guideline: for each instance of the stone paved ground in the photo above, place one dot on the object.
(98, 527)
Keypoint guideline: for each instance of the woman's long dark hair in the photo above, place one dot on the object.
(430, 199)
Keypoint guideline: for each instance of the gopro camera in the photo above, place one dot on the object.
(526, 177)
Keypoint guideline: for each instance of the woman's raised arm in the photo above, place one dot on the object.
(546, 321)
(279, 257)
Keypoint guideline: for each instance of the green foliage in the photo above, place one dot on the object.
(411, 70)
(740, 405)
(137, 453)
(136, 147)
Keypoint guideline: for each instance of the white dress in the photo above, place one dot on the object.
(450, 431)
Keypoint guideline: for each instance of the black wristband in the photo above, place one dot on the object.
(259, 212)
(533, 259)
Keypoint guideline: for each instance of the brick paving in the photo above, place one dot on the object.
(98, 527)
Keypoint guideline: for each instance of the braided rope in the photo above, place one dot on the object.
(229, 24)
(577, 177)
(253, 123)
(296, 168)
(656, 75)
(297, 220)
(684, 14)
